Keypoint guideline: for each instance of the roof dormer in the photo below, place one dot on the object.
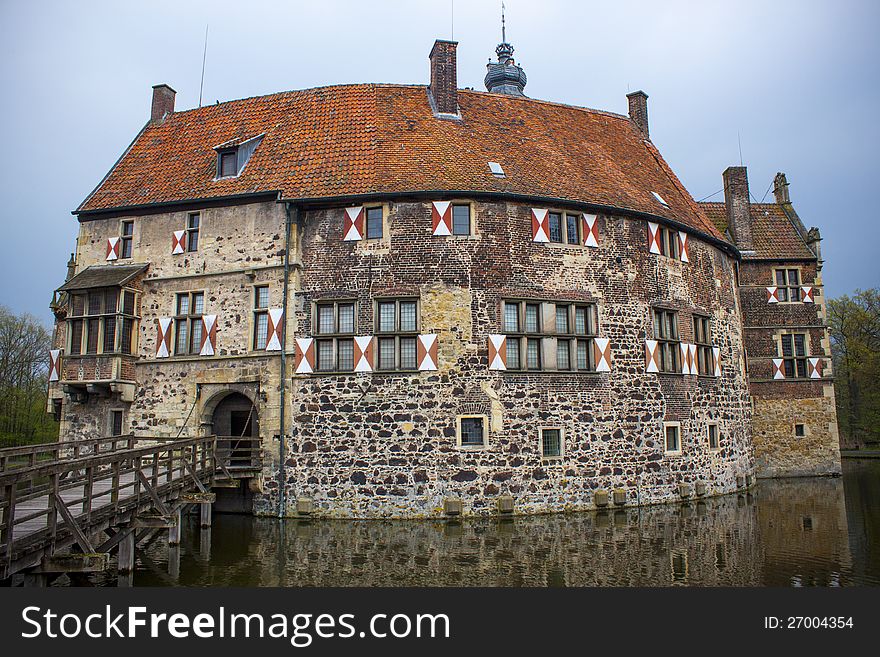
(233, 156)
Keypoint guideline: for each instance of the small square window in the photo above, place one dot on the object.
(672, 438)
(374, 223)
(461, 219)
(551, 443)
(472, 431)
(800, 430)
(228, 164)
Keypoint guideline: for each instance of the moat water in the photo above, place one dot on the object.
(797, 532)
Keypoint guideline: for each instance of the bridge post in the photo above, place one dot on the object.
(174, 532)
(205, 515)
(126, 553)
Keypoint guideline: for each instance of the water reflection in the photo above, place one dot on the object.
(803, 532)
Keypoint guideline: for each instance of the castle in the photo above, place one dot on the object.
(426, 300)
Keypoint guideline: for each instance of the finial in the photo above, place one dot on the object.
(503, 33)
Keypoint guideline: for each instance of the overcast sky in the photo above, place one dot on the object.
(797, 82)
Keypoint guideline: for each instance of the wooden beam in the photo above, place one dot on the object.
(154, 522)
(198, 498)
(160, 506)
(84, 543)
(74, 563)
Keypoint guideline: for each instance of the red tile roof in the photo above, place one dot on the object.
(370, 138)
(773, 232)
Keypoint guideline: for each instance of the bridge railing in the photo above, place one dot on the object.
(55, 500)
(239, 453)
(27, 456)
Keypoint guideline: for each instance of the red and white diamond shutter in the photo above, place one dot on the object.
(778, 371)
(304, 355)
(275, 325)
(497, 352)
(807, 294)
(814, 367)
(683, 246)
(716, 358)
(602, 354)
(364, 358)
(426, 352)
(441, 217)
(178, 242)
(654, 237)
(772, 294)
(652, 356)
(353, 224)
(685, 358)
(209, 335)
(163, 337)
(54, 364)
(591, 230)
(540, 225)
(112, 248)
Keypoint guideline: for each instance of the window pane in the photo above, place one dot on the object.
(116, 423)
(793, 277)
(110, 299)
(386, 354)
(79, 304)
(262, 297)
(197, 329)
(780, 277)
(713, 436)
(671, 439)
(408, 360)
(513, 357)
(325, 355)
(461, 220)
(531, 318)
(109, 334)
(95, 299)
(128, 303)
(127, 337)
(227, 164)
(583, 355)
(345, 361)
(92, 338)
(76, 329)
(800, 348)
(374, 223)
(787, 346)
(550, 443)
(658, 324)
(198, 303)
(533, 354)
(789, 368)
(346, 318)
(127, 228)
(471, 431)
(261, 330)
(571, 222)
(562, 319)
(126, 248)
(182, 334)
(407, 315)
(326, 320)
(386, 316)
(563, 353)
(193, 220)
(511, 317)
(801, 368)
(555, 220)
(192, 240)
(580, 320)
(183, 304)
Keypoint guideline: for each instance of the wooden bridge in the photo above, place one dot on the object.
(64, 507)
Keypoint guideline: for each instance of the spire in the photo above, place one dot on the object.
(504, 76)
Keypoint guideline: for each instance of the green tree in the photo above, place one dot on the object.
(24, 357)
(855, 346)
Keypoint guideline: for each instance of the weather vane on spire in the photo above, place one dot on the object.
(503, 34)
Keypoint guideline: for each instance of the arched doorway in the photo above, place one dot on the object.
(235, 415)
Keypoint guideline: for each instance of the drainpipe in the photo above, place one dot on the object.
(282, 444)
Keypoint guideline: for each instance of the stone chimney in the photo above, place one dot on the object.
(71, 268)
(444, 77)
(780, 189)
(638, 111)
(163, 102)
(736, 200)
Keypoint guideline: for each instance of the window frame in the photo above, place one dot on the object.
(190, 318)
(564, 237)
(126, 240)
(784, 292)
(458, 436)
(705, 353)
(797, 363)
(399, 335)
(551, 457)
(717, 446)
(666, 450)
(113, 413)
(336, 337)
(227, 152)
(193, 230)
(258, 313)
(668, 240)
(523, 337)
(381, 236)
(666, 342)
(470, 210)
(803, 426)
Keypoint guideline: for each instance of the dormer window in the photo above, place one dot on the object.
(233, 156)
(227, 164)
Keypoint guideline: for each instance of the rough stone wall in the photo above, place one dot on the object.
(780, 404)
(385, 444)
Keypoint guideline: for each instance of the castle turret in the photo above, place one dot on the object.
(505, 76)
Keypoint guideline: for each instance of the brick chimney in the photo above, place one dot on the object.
(638, 111)
(736, 200)
(780, 189)
(444, 77)
(163, 102)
